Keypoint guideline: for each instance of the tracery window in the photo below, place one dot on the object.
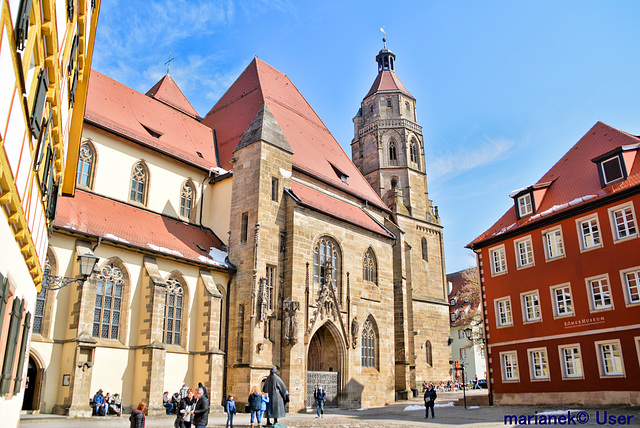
(414, 152)
(139, 183)
(326, 262)
(187, 194)
(106, 316)
(370, 267)
(86, 165)
(172, 312)
(393, 156)
(369, 343)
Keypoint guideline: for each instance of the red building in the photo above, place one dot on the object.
(560, 276)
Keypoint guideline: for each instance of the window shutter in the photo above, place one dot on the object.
(12, 344)
(47, 166)
(38, 103)
(23, 350)
(72, 57)
(73, 87)
(4, 297)
(70, 9)
(43, 142)
(22, 23)
(52, 201)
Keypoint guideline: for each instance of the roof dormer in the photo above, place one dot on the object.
(615, 165)
(528, 199)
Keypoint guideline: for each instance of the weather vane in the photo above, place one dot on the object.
(169, 62)
(384, 39)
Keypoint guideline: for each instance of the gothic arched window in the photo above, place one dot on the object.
(429, 353)
(326, 261)
(370, 267)
(106, 315)
(139, 183)
(425, 250)
(172, 312)
(393, 156)
(187, 196)
(86, 165)
(369, 344)
(38, 314)
(414, 152)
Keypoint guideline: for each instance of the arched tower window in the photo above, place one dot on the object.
(86, 165)
(172, 312)
(425, 250)
(187, 197)
(429, 353)
(369, 344)
(414, 152)
(106, 315)
(139, 183)
(393, 156)
(326, 262)
(370, 267)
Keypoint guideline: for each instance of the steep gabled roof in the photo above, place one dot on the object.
(149, 122)
(574, 180)
(387, 81)
(118, 222)
(315, 150)
(168, 92)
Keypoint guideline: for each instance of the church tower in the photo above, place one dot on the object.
(388, 149)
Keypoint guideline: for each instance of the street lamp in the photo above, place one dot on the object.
(468, 332)
(87, 264)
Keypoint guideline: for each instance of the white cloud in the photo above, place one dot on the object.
(455, 163)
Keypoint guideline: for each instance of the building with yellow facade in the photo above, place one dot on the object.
(45, 61)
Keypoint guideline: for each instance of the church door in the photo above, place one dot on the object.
(323, 362)
(33, 386)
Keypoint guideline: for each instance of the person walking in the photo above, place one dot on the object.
(230, 410)
(320, 395)
(429, 400)
(255, 404)
(201, 409)
(263, 408)
(137, 419)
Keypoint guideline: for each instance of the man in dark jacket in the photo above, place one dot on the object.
(429, 400)
(278, 395)
(201, 411)
(320, 395)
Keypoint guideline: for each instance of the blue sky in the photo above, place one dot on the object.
(503, 88)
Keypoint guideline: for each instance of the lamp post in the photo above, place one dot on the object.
(87, 264)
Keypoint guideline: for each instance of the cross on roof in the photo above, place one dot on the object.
(169, 62)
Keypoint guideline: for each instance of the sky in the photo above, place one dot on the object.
(503, 88)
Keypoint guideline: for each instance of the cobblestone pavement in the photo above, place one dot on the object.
(398, 415)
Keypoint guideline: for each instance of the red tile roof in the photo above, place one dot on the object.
(168, 92)
(122, 110)
(575, 180)
(315, 149)
(387, 81)
(115, 221)
(337, 208)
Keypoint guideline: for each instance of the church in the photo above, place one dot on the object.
(239, 241)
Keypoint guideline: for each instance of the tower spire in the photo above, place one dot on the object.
(385, 58)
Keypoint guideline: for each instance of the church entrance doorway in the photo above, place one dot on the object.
(33, 385)
(323, 365)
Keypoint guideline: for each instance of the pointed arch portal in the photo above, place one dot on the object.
(324, 365)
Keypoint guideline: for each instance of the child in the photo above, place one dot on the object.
(230, 410)
(263, 407)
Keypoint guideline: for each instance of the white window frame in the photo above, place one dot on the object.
(629, 294)
(636, 340)
(463, 353)
(592, 296)
(600, 345)
(592, 220)
(544, 364)
(461, 334)
(526, 244)
(556, 303)
(557, 245)
(512, 356)
(614, 229)
(525, 205)
(500, 269)
(576, 362)
(531, 299)
(604, 174)
(509, 312)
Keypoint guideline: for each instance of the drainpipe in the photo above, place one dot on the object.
(232, 271)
